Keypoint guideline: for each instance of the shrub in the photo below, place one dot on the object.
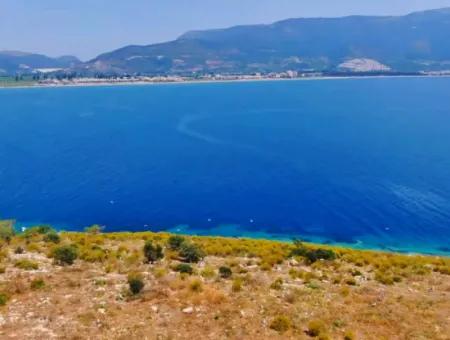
(136, 283)
(26, 265)
(236, 285)
(52, 237)
(350, 281)
(159, 272)
(225, 272)
(208, 273)
(175, 242)
(37, 284)
(320, 254)
(191, 253)
(94, 229)
(277, 284)
(311, 254)
(184, 268)
(315, 328)
(349, 335)
(93, 254)
(6, 230)
(384, 278)
(3, 299)
(196, 286)
(37, 230)
(281, 324)
(152, 253)
(65, 255)
(19, 250)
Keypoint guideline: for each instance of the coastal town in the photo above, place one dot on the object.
(45, 79)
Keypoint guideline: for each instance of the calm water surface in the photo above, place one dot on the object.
(361, 162)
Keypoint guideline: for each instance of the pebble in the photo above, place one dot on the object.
(188, 310)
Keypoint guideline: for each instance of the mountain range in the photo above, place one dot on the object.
(415, 42)
(15, 62)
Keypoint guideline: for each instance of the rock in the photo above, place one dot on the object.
(188, 310)
(154, 309)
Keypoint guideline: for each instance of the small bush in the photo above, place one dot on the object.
(19, 250)
(196, 286)
(65, 255)
(281, 324)
(312, 255)
(191, 253)
(3, 299)
(26, 265)
(37, 284)
(184, 268)
(37, 230)
(52, 237)
(277, 284)
(208, 273)
(93, 254)
(94, 229)
(315, 328)
(136, 283)
(6, 230)
(159, 272)
(384, 278)
(225, 272)
(350, 281)
(320, 254)
(236, 286)
(152, 253)
(175, 242)
(349, 335)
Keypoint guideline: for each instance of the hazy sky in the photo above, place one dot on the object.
(86, 28)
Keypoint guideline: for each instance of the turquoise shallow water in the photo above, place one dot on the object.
(361, 162)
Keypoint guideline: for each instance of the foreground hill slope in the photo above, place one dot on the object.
(158, 286)
(418, 41)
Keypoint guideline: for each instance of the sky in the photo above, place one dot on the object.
(86, 28)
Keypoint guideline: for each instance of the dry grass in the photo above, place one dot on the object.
(359, 295)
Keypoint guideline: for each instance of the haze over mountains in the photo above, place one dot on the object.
(14, 62)
(416, 42)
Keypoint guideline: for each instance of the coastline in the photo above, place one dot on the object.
(233, 232)
(212, 81)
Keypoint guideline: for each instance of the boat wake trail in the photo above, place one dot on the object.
(185, 127)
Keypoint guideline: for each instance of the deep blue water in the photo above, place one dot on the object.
(364, 162)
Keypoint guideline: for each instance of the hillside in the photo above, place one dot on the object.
(159, 286)
(415, 42)
(14, 62)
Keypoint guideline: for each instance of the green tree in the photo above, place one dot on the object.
(175, 242)
(191, 253)
(65, 255)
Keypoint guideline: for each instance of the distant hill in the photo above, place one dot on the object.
(414, 42)
(15, 62)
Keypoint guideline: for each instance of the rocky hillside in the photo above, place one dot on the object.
(415, 42)
(159, 286)
(14, 62)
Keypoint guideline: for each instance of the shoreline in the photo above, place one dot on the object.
(213, 81)
(230, 232)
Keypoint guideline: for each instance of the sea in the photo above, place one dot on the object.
(363, 163)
